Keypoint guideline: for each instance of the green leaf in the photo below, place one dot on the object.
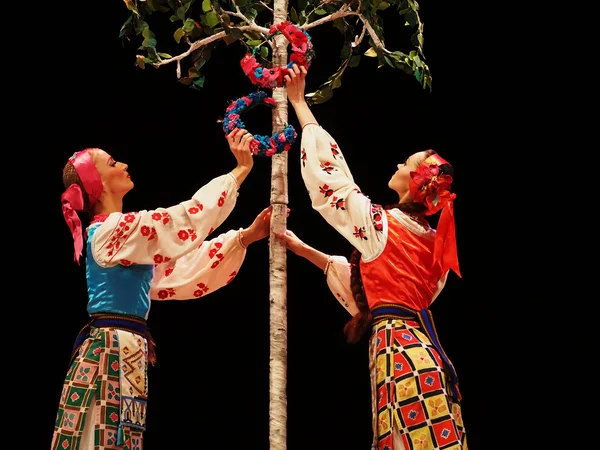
(418, 74)
(151, 42)
(164, 55)
(181, 13)
(320, 96)
(206, 5)
(340, 24)
(371, 52)
(293, 15)
(346, 50)
(188, 25)
(179, 33)
(199, 63)
(147, 33)
(264, 52)
(173, 18)
(320, 12)
(199, 82)
(236, 33)
(383, 6)
(229, 39)
(211, 19)
(354, 61)
(253, 42)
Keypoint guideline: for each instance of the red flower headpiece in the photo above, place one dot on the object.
(427, 186)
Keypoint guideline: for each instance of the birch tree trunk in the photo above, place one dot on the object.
(277, 255)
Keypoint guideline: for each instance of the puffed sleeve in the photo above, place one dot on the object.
(202, 271)
(158, 236)
(338, 279)
(336, 197)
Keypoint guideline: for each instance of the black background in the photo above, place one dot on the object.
(210, 388)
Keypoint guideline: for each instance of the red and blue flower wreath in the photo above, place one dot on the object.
(260, 145)
(302, 55)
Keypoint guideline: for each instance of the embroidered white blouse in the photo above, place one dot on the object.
(336, 196)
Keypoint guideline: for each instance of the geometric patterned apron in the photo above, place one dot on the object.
(411, 405)
(110, 370)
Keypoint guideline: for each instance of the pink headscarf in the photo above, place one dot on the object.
(72, 199)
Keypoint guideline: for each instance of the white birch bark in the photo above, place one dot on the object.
(277, 256)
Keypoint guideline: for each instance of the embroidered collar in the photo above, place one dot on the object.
(99, 218)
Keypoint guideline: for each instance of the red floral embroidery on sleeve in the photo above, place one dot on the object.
(185, 234)
(377, 217)
(215, 249)
(344, 302)
(303, 157)
(196, 209)
(337, 203)
(222, 198)
(231, 277)
(359, 232)
(150, 233)
(125, 262)
(326, 190)
(164, 217)
(202, 289)
(165, 293)
(327, 167)
(219, 257)
(334, 151)
(169, 271)
(120, 234)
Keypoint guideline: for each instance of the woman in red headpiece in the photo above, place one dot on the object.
(397, 269)
(132, 258)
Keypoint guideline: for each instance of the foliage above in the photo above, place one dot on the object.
(199, 25)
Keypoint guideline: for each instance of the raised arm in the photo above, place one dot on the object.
(330, 185)
(160, 235)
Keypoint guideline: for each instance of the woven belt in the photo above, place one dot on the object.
(425, 318)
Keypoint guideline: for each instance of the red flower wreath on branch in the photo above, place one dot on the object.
(302, 55)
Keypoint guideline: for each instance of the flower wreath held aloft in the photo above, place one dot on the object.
(302, 55)
(260, 145)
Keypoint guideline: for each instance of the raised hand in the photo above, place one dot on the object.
(295, 84)
(239, 143)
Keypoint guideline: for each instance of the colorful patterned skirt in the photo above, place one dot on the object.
(104, 397)
(412, 407)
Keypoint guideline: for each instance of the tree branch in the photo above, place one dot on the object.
(345, 12)
(202, 42)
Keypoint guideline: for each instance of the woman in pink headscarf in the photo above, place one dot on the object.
(398, 268)
(131, 259)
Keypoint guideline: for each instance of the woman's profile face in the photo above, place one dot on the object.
(114, 174)
(400, 180)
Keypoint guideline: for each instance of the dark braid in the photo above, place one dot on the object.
(358, 324)
(70, 176)
(356, 327)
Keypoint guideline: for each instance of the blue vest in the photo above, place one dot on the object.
(119, 289)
